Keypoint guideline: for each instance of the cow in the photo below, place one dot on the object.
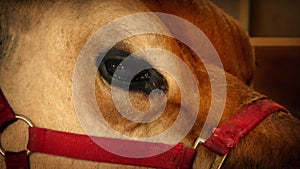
(42, 40)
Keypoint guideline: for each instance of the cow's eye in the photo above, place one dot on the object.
(138, 74)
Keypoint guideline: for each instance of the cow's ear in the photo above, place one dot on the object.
(228, 37)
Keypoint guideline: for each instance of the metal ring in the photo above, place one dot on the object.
(27, 121)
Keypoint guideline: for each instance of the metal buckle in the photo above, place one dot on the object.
(27, 121)
(219, 160)
(198, 141)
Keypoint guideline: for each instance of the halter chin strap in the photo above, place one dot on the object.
(78, 146)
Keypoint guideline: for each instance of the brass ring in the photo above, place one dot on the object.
(27, 121)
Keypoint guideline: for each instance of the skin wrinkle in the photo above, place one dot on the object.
(36, 78)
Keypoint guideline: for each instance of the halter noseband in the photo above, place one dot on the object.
(78, 146)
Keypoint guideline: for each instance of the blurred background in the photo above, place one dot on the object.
(274, 30)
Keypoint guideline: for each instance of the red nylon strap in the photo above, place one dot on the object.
(227, 136)
(7, 115)
(17, 160)
(83, 147)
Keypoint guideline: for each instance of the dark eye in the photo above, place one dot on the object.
(130, 72)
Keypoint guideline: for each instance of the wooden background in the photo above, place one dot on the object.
(274, 29)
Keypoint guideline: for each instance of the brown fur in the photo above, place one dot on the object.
(40, 42)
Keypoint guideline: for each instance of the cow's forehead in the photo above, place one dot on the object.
(73, 23)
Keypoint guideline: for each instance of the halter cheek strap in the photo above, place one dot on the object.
(7, 115)
(228, 134)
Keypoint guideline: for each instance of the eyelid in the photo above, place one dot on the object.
(115, 52)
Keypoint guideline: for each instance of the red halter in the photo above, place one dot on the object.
(77, 146)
